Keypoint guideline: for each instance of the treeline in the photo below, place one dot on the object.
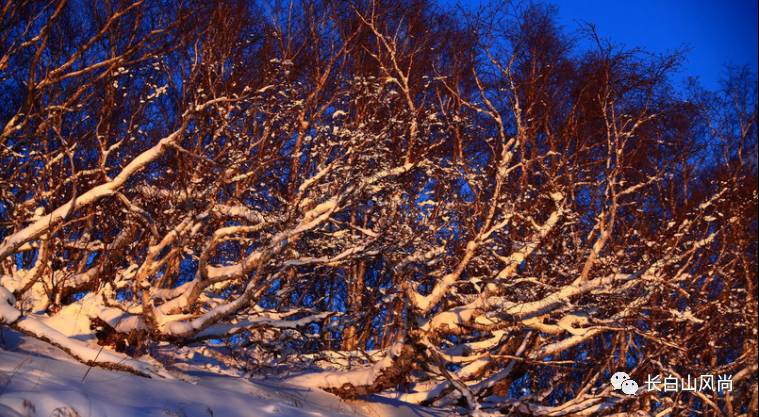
(470, 209)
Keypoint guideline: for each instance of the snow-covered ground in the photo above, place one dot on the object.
(38, 380)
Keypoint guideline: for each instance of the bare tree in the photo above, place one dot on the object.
(463, 211)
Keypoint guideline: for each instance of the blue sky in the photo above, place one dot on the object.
(714, 32)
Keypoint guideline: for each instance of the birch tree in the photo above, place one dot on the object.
(465, 211)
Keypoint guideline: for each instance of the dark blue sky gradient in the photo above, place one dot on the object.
(713, 32)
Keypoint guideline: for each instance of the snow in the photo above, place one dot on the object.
(88, 352)
(38, 227)
(362, 376)
(37, 379)
(337, 379)
(241, 212)
(74, 320)
(686, 315)
(229, 328)
(8, 313)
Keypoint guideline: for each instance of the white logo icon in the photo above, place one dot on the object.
(622, 381)
(630, 387)
(618, 378)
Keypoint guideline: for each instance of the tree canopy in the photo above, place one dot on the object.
(465, 210)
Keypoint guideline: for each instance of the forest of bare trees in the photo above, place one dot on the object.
(459, 209)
